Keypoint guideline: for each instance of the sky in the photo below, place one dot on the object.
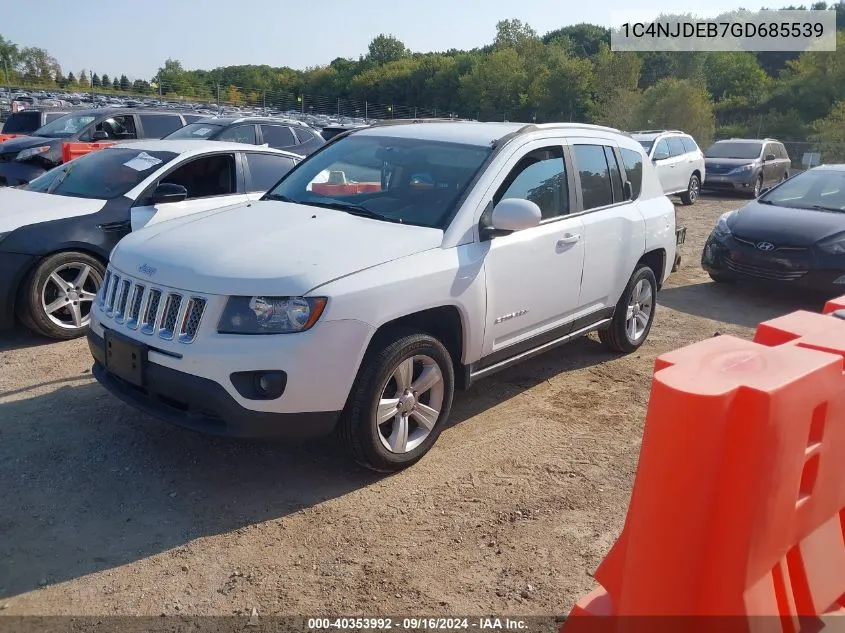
(134, 38)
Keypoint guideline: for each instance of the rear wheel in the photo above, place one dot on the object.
(57, 296)
(399, 403)
(693, 190)
(634, 313)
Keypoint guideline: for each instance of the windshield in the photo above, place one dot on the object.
(723, 149)
(646, 145)
(412, 181)
(817, 189)
(102, 175)
(65, 126)
(195, 130)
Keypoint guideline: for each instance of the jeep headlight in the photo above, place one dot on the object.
(270, 315)
(32, 151)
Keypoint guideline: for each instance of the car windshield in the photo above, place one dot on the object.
(734, 150)
(65, 126)
(102, 175)
(822, 189)
(195, 130)
(395, 179)
(646, 145)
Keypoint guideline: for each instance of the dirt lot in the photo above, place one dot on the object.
(107, 511)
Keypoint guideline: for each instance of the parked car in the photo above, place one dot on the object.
(792, 235)
(441, 253)
(678, 161)
(330, 131)
(289, 135)
(25, 122)
(746, 165)
(56, 233)
(24, 159)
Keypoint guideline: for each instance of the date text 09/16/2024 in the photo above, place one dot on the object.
(443, 624)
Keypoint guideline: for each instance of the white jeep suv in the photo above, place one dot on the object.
(433, 254)
(678, 160)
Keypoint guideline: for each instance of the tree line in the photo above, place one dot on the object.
(569, 74)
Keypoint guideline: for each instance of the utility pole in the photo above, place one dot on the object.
(218, 97)
(338, 106)
(366, 111)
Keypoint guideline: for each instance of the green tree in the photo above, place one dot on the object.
(172, 77)
(84, 82)
(679, 104)
(495, 85)
(581, 40)
(124, 83)
(828, 134)
(71, 80)
(95, 81)
(385, 48)
(140, 86)
(106, 81)
(115, 84)
(735, 75)
(515, 34)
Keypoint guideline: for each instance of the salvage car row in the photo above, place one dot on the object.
(377, 275)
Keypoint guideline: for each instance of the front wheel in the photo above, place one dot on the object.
(634, 313)
(693, 190)
(399, 402)
(758, 187)
(57, 296)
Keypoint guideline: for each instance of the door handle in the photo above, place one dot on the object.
(568, 239)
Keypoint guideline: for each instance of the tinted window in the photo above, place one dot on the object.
(731, 149)
(596, 187)
(159, 125)
(118, 127)
(415, 181)
(689, 144)
(205, 177)
(265, 170)
(190, 118)
(106, 174)
(196, 131)
(239, 134)
(662, 148)
(646, 145)
(633, 162)
(22, 122)
(615, 173)
(541, 178)
(277, 136)
(676, 146)
(65, 125)
(304, 135)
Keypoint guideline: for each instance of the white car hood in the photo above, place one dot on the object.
(19, 208)
(266, 247)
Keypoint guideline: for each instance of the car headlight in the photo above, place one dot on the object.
(722, 228)
(834, 247)
(744, 168)
(270, 315)
(32, 151)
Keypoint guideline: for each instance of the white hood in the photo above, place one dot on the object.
(19, 208)
(267, 248)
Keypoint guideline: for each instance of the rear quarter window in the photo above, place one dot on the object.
(689, 144)
(633, 162)
(676, 147)
(159, 125)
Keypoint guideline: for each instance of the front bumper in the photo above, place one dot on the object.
(203, 405)
(13, 266)
(795, 269)
(15, 173)
(741, 181)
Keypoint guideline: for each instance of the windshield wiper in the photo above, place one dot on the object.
(821, 207)
(355, 209)
(761, 201)
(59, 180)
(277, 197)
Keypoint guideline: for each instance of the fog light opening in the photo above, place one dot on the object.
(269, 384)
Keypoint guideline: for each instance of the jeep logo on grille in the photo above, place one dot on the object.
(765, 246)
(144, 269)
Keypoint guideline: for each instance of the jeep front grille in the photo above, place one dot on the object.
(161, 312)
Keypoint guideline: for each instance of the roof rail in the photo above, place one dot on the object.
(384, 122)
(530, 127)
(658, 132)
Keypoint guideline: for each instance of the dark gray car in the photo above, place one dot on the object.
(746, 165)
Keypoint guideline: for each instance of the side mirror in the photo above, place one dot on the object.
(627, 190)
(99, 135)
(514, 214)
(769, 157)
(660, 156)
(167, 192)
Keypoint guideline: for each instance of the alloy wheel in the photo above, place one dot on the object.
(68, 295)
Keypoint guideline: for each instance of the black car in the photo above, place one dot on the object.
(24, 159)
(746, 165)
(27, 121)
(792, 235)
(291, 136)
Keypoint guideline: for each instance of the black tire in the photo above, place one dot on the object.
(785, 176)
(721, 278)
(30, 308)
(758, 187)
(616, 336)
(693, 192)
(358, 430)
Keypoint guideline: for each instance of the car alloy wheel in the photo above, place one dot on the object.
(68, 295)
(410, 404)
(758, 187)
(638, 315)
(694, 188)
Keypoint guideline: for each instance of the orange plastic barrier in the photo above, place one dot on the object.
(6, 137)
(329, 189)
(835, 304)
(737, 516)
(75, 150)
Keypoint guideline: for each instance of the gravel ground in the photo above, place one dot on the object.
(108, 511)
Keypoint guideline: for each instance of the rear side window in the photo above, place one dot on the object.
(633, 162)
(596, 185)
(615, 173)
(239, 134)
(303, 134)
(689, 144)
(278, 136)
(21, 122)
(265, 170)
(782, 150)
(159, 125)
(676, 146)
(191, 118)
